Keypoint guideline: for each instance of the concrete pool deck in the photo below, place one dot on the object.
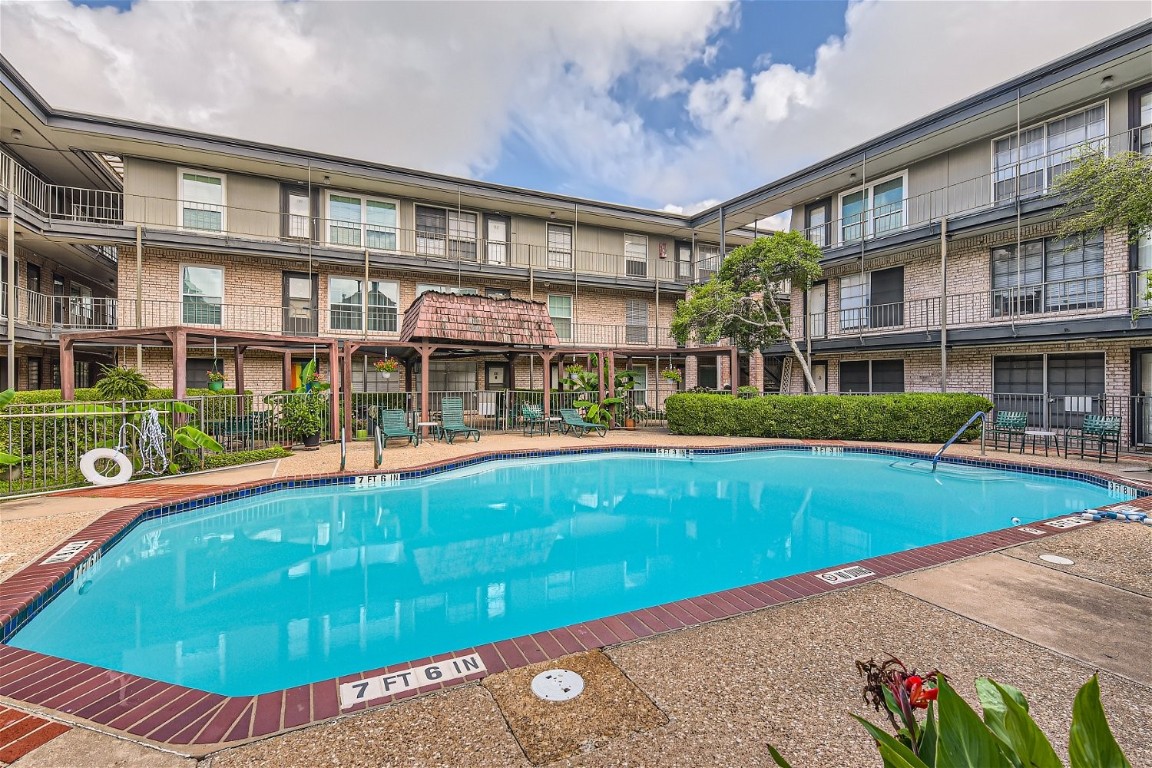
(782, 674)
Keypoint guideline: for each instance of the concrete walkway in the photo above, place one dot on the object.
(716, 694)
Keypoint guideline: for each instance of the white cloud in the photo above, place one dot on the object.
(441, 86)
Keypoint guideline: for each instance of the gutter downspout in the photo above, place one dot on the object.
(944, 304)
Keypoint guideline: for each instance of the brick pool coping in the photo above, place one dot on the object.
(197, 720)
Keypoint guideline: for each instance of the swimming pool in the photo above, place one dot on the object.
(289, 587)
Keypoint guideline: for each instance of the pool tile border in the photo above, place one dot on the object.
(179, 716)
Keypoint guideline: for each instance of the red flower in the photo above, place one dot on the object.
(918, 695)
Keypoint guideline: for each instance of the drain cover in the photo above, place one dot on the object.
(1056, 559)
(557, 685)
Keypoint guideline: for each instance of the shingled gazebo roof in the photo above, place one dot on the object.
(436, 316)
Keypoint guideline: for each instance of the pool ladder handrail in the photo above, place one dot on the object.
(955, 437)
(343, 448)
(378, 443)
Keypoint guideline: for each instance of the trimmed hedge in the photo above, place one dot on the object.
(217, 460)
(89, 394)
(901, 418)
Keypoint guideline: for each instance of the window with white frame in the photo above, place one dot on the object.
(707, 260)
(1029, 163)
(1144, 129)
(873, 210)
(636, 321)
(362, 222)
(202, 200)
(202, 294)
(445, 232)
(854, 301)
(872, 299)
(560, 310)
(635, 255)
(346, 304)
(639, 384)
(559, 246)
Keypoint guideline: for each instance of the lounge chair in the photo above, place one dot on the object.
(532, 419)
(1101, 430)
(452, 420)
(1010, 424)
(393, 423)
(573, 421)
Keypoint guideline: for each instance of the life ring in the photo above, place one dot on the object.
(88, 467)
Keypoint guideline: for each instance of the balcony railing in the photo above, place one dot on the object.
(1117, 294)
(1029, 178)
(58, 313)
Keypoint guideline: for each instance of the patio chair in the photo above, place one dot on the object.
(574, 422)
(452, 420)
(1100, 430)
(393, 423)
(1010, 424)
(532, 419)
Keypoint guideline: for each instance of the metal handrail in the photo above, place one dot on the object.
(378, 459)
(955, 437)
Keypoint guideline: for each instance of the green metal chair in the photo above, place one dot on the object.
(393, 423)
(573, 421)
(452, 420)
(532, 419)
(1010, 424)
(1101, 430)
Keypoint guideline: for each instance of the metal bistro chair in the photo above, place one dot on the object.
(1010, 424)
(532, 419)
(1101, 431)
(452, 420)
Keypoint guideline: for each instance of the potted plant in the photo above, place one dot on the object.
(360, 425)
(672, 374)
(302, 410)
(387, 366)
(215, 381)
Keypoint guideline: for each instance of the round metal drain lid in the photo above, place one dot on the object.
(1056, 559)
(557, 685)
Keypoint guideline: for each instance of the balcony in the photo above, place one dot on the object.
(53, 314)
(1116, 295)
(1030, 180)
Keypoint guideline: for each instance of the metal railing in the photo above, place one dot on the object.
(1026, 179)
(39, 310)
(1119, 294)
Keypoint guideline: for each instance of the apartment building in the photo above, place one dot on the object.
(943, 269)
(223, 235)
(942, 265)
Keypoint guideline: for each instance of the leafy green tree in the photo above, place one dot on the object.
(742, 301)
(1107, 192)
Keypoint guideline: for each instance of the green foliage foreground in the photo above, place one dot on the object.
(903, 418)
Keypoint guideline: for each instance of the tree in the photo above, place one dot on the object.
(741, 302)
(1108, 192)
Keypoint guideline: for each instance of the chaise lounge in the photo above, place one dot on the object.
(452, 420)
(573, 421)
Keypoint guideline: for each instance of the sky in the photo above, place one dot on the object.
(665, 105)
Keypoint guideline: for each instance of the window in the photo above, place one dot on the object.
(442, 232)
(81, 308)
(202, 294)
(876, 209)
(297, 214)
(33, 373)
(300, 304)
(346, 305)
(1049, 275)
(33, 278)
(498, 293)
(201, 203)
(559, 246)
(816, 223)
(636, 321)
(639, 384)
(707, 261)
(1038, 384)
(635, 255)
(872, 299)
(560, 310)
(449, 376)
(425, 287)
(683, 261)
(1027, 164)
(197, 369)
(362, 222)
(864, 376)
(1143, 113)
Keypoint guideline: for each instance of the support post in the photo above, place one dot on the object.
(349, 352)
(336, 389)
(734, 366)
(239, 371)
(10, 298)
(139, 292)
(546, 375)
(67, 370)
(425, 370)
(944, 304)
(600, 373)
(287, 370)
(179, 340)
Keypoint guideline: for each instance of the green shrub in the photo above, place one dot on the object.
(901, 418)
(117, 383)
(216, 461)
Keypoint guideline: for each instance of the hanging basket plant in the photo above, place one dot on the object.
(386, 366)
(215, 380)
(672, 374)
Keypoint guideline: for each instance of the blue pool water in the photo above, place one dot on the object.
(302, 585)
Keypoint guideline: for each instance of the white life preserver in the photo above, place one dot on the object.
(88, 467)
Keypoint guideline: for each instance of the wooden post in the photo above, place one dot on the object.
(179, 340)
(349, 352)
(67, 370)
(547, 381)
(335, 389)
(287, 370)
(425, 366)
(611, 373)
(510, 384)
(239, 377)
(734, 368)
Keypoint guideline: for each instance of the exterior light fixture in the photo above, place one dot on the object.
(17, 134)
(1106, 81)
